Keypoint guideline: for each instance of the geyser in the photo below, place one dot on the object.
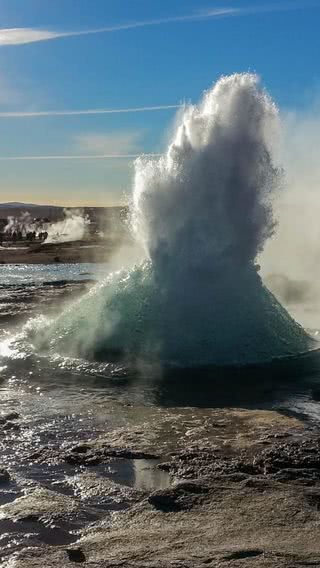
(202, 213)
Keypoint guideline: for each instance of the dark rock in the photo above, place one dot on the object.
(75, 555)
(313, 498)
(11, 416)
(4, 476)
(81, 449)
(87, 459)
(11, 426)
(4, 418)
(128, 454)
(84, 455)
(164, 501)
(87, 455)
(180, 497)
(30, 518)
(239, 554)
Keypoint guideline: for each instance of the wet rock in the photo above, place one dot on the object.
(38, 504)
(10, 416)
(11, 426)
(83, 459)
(81, 449)
(88, 455)
(7, 421)
(4, 476)
(127, 453)
(289, 461)
(43, 455)
(242, 505)
(75, 555)
(101, 491)
(299, 456)
(191, 464)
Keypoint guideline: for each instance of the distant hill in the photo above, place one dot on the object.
(18, 204)
(14, 208)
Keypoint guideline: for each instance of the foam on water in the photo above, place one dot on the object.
(202, 214)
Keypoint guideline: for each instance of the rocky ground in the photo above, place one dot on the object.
(241, 489)
(91, 250)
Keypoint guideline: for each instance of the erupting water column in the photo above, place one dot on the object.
(202, 213)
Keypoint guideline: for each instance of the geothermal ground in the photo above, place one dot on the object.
(213, 487)
(90, 250)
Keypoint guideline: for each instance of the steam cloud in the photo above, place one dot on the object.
(291, 259)
(72, 227)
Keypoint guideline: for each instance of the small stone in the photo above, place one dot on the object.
(11, 416)
(164, 501)
(245, 553)
(75, 555)
(81, 449)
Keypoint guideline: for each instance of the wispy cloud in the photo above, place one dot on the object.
(265, 8)
(35, 114)
(119, 143)
(21, 36)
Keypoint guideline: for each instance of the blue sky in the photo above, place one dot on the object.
(146, 54)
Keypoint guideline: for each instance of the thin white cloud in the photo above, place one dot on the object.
(122, 143)
(92, 111)
(21, 36)
(265, 8)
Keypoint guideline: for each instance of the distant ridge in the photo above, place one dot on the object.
(17, 204)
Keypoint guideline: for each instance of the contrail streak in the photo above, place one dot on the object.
(22, 36)
(85, 112)
(80, 157)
